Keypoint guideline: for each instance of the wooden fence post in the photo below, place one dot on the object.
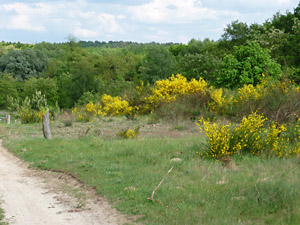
(46, 126)
(7, 118)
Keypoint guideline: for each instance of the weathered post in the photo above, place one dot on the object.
(46, 126)
(7, 118)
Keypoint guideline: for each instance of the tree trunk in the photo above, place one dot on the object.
(46, 126)
(7, 118)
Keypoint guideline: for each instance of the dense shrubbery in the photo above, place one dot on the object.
(222, 78)
(111, 106)
(246, 65)
(176, 96)
(251, 136)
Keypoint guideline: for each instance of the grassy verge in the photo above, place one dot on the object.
(198, 191)
(2, 216)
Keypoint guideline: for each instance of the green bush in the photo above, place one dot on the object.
(8, 87)
(48, 87)
(30, 110)
(246, 66)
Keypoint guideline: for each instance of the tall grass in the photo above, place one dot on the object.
(197, 191)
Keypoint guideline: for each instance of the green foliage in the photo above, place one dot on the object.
(2, 217)
(269, 37)
(198, 65)
(251, 136)
(5, 48)
(246, 66)
(83, 76)
(252, 191)
(87, 97)
(64, 82)
(12, 104)
(115, 67)
(48, 87)
(116, 71)
(8, 87)
(158, 64)
(30, 110)
(198, 59)
(283, 21)
(277, 100)
(236, 33)
(24, 64)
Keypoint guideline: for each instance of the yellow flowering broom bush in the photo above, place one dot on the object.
(275, 99)
(219, 102)
(88, 112)
(251, 136)
(167, 90)
(115, 106)
(112, 106)
(129, 133)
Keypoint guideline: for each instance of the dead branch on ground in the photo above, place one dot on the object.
(153, 193)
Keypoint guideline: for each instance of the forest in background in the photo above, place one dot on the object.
(241, 92)
(77, 72)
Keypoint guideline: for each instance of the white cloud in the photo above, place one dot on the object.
(108, 23)
(263, 3)
(25, 16)
(22, 22)
(102, 26)
(171, 11)
(253, 5)
(170, 20)
(85, 33)
(26, 9)
(158, 35)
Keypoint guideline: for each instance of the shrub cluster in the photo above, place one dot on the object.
(111, 106)
(30, 110)
(177, 97)
(252, 136)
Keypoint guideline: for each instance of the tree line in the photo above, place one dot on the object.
(76, 72)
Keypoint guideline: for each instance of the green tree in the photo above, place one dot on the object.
(64, 82)
(199, 59)
(269, 37)
(246, 66)
(235, 33)
(24, 64)
(83, 76)
(8, 87)
(158, 64)
(116, 70)
(48, 87)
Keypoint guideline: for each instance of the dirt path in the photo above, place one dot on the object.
(29, 199)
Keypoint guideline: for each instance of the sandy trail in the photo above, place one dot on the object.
(28, 200)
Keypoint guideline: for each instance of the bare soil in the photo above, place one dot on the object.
(33, 197)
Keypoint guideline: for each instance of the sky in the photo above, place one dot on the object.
(179, 21)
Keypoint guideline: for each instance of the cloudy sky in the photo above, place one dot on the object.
(129, 20)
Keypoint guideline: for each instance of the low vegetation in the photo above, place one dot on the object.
(242, 189)
(224, 115)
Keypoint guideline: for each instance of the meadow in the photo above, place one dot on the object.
(223, 115)
(242, 189)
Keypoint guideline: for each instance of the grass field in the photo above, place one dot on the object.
(246, 190)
